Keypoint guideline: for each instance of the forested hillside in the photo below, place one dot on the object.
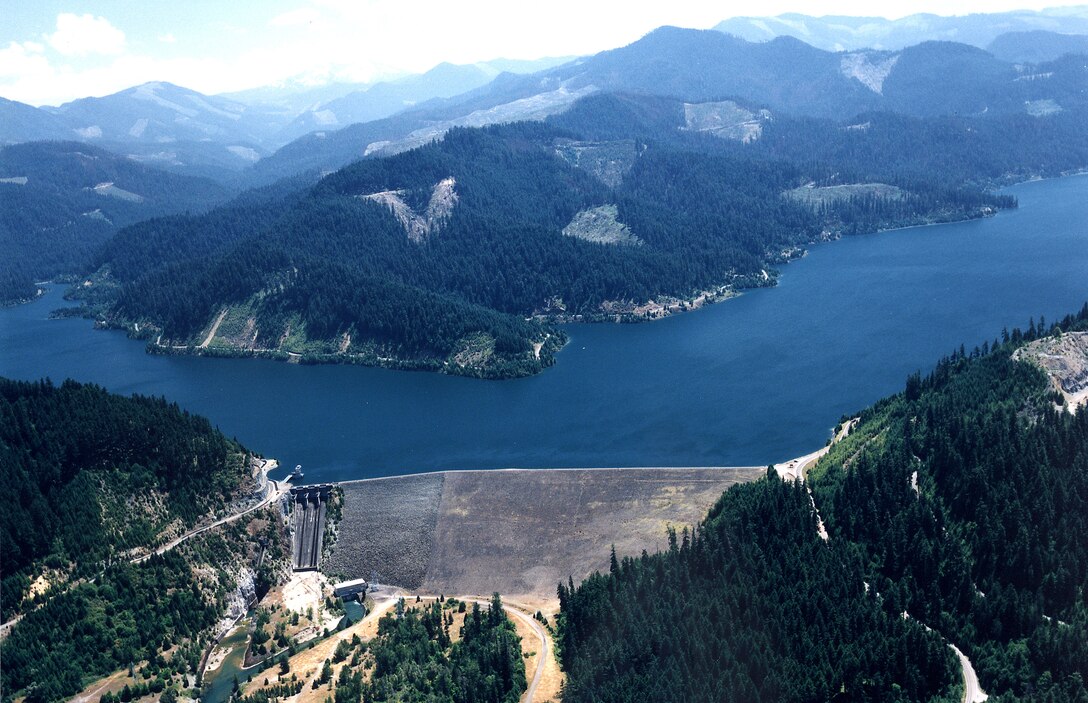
(156, 617)
(961, 502)
(989, 547)
(477, 232)
(59, 201)
(753, 606)
(415, 658)
(91, 480)
(92, 476)
(709, 162)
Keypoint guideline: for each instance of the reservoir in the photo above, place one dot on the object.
(754, 380)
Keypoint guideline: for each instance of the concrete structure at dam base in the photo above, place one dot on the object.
(308, 525)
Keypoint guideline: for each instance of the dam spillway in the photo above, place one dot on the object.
(308, 525)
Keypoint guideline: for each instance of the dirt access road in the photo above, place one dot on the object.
(972, 690)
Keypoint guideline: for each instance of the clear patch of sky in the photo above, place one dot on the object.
(57, 50)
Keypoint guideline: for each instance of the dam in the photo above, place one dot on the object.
(308, 525)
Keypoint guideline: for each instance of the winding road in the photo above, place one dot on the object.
(273, 495)
(797, 470)
(972, 690)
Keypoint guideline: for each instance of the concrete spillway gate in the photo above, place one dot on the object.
(308, 525)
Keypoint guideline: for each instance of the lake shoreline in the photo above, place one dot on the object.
(763, 377)
(612, 311)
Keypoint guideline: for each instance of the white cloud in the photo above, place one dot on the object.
(315, 41)
(295, 18)
(81, 35)
(24, 59)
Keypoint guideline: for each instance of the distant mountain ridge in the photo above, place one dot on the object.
(233, 141)
(841, 33)
(60, 200)
(784, 74)
(1037, 46)
(386, 98)
(179, 129)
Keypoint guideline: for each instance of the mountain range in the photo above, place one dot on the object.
(839, 33)
(179, 129)
(451, 235)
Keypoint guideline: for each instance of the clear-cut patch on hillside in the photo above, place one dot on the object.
(601, 226)
(96, 214)
(420, 226)
(1042, 108)
(1065, 360)
(244, 152)
(726, 120)
(114, 192)
(536, 107)
(608, 161)
(815, 196)
(868, 68)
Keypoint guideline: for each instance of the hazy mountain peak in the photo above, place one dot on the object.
(841, 33)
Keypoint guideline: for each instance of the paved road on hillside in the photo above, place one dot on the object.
(277, 491)
(972, 690)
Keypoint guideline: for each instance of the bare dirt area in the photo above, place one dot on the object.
(305, 590)
(725, 120)
(388, 528)
(419, 226)
(601, 226)
(1065, 361)
(110, 684)
(215, 328)
(518, 532)
(307, 664)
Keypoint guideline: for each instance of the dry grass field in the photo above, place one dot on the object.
(518, 532)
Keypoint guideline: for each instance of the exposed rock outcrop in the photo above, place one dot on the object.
(1065, 360)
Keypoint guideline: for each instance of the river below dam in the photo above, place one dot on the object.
(750, 381)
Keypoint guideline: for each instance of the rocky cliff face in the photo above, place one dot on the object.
(245, 592)
(1065, 360)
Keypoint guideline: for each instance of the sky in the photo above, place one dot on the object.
(53, 51)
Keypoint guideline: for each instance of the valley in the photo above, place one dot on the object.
(455, 235)
(684, 253)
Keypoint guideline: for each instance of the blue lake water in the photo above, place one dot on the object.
(750, 381)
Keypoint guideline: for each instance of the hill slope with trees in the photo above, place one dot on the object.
(59, 201)
(93, 477)
(960, 502)
(94, 480)
(329, 272)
